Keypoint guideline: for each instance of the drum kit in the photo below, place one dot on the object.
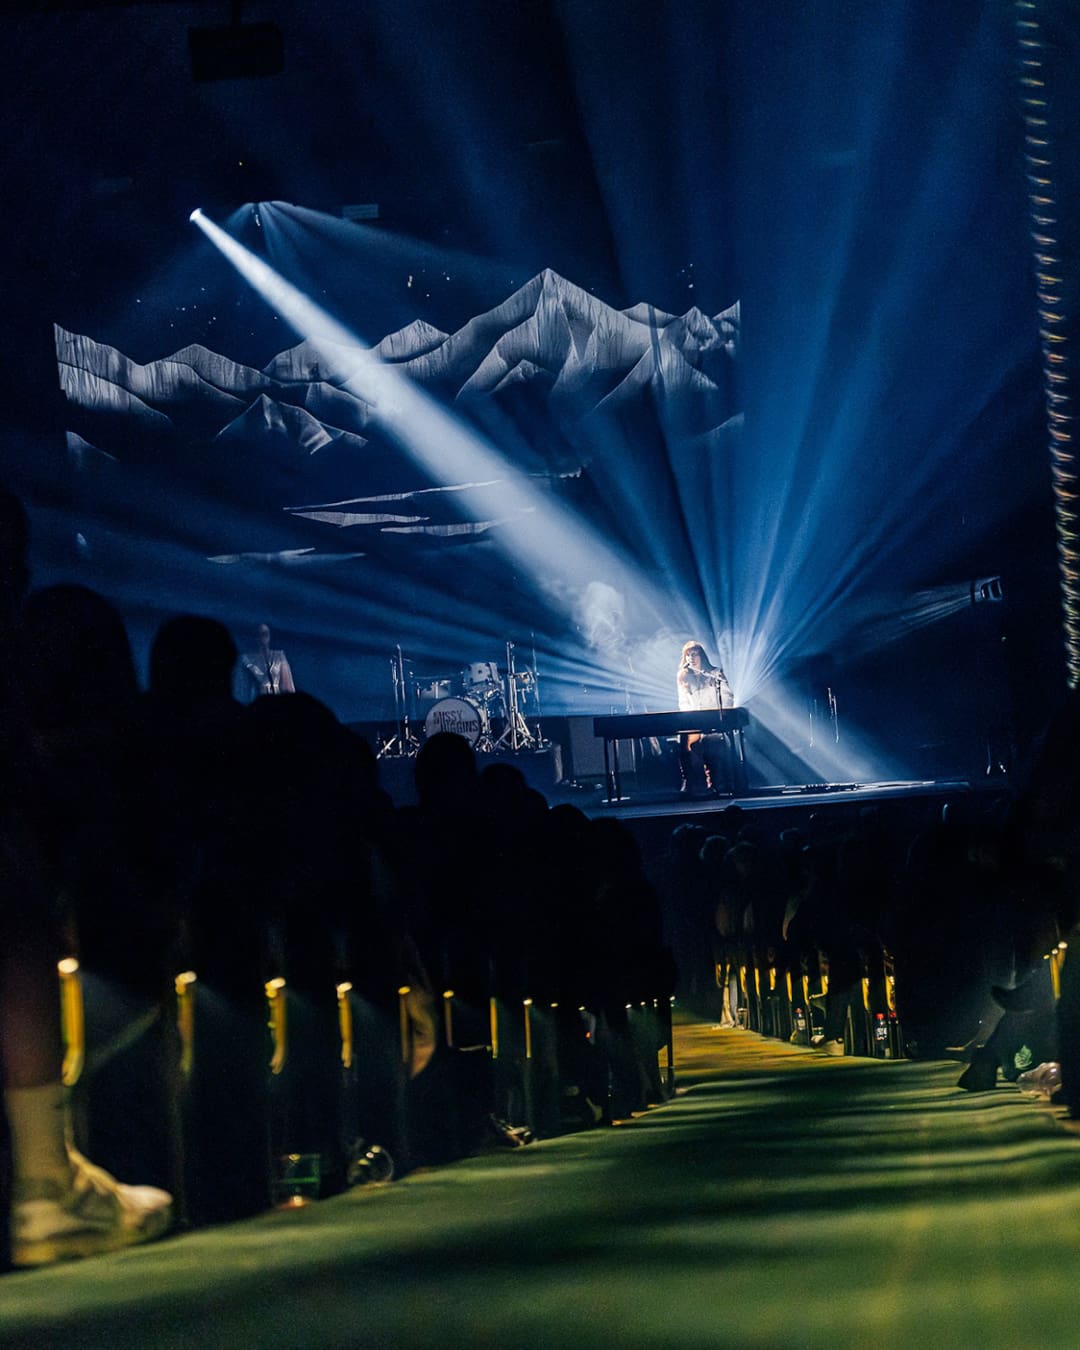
(486, 704)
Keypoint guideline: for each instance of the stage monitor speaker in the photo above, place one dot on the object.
(586, 751)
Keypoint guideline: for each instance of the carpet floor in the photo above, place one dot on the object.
(781, 1199)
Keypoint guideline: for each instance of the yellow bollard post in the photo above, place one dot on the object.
(275, 997)
(1057, 960)
(404, 1026)
(72, 1020)
(493, 1021)
(448, 1016)
(345, 1023)
(184, 984)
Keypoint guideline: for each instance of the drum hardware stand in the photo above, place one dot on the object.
(541, 743)
(485, 745)
(404, 742)
(516, 730)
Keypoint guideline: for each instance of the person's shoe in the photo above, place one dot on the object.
(828, 1047)
(965, 1051)
(817, 1040)
(53, 1221)
(981, 1074)
(501, 1132)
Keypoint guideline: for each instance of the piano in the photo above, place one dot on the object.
(637, 726)
(729, 722)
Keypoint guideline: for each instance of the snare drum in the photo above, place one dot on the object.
(480, 675)
(459, 715)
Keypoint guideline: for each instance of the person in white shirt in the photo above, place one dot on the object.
(700, 685)
(264, 670)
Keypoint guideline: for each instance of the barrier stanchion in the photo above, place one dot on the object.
(222, 1100)
(119, 1047)
(511, 1019)
(794, 1011)
(277, 1013)
(777, 1023)
(404, 1023)
(1057, 961)
(345, 1022)
(373, 1079)
(184, 989)
(448, 1017)
(72, 1020)
(543, 1083)
(665, 1008)
(869, 1019)
(892, 1015)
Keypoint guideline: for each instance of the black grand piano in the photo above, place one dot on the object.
(728, 722)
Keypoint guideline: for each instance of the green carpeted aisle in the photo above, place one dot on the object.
(781, 1200)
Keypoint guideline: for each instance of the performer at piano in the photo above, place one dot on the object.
(700, 685)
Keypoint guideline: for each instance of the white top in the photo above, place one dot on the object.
(268, 672)
(697, 690)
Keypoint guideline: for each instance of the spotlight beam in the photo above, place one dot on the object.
(546, 540)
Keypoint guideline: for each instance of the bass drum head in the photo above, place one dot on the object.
(458, 715)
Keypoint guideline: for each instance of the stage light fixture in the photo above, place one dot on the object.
(987, 589)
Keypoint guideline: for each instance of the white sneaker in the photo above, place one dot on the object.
(93, 1213)
(832, 1047)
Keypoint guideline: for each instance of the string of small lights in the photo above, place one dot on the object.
(1054, 325)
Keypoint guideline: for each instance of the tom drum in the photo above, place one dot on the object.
(480, 675)
(430, 691)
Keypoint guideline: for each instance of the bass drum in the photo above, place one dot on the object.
(460, 715)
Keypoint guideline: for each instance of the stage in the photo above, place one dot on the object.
(568, 766)
(812, 796)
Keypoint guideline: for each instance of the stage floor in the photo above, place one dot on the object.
(632, 806)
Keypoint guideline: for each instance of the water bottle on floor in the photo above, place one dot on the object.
(1041, 1081)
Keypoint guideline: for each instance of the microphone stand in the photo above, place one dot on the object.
(268, 668)
(403, 742)
(834, 713)
(541, 744)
